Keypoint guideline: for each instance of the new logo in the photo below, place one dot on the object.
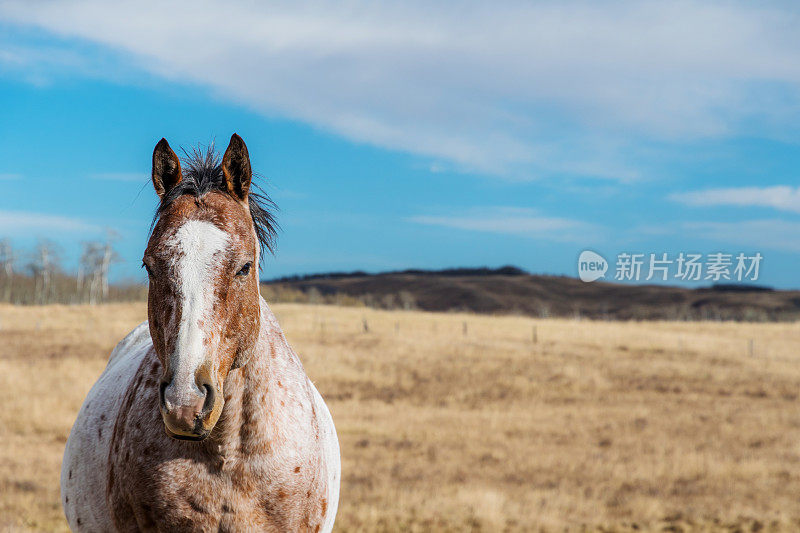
(591, 266)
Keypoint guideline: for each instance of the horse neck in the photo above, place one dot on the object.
(247, 422)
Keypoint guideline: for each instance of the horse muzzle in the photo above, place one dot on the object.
(189, 413)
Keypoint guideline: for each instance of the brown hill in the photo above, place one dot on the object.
(512, 290)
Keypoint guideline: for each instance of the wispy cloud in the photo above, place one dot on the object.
(514, 221)
(22, 222)
(512, 88)
(779, 197)
(768, 234)
(5, 176)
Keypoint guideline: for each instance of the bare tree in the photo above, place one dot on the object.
(389, 301)
(109, 256)
(6, 267)
(89, 272)
(79, 279)
(44, 266)
(407, 300)
(93, 271)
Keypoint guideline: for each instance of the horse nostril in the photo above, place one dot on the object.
(208, 404)
(162, 394)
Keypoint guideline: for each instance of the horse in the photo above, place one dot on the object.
(204, 418)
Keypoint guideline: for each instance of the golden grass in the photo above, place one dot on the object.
(599, 425)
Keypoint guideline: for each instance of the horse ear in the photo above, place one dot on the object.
(166, 168)
(236, 168)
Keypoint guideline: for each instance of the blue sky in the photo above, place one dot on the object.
(398, 135)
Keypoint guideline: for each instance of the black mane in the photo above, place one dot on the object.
(201, 173)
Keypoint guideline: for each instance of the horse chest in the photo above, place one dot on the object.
(182, 494)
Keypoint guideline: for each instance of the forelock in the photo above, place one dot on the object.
(201, 173)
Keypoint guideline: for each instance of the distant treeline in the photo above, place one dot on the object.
(38, 276)
(25, 289)
(275, 292)
(507, 270)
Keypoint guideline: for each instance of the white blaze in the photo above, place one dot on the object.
(198, 245)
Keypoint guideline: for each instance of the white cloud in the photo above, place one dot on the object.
(769, 234)
(509, 88)
(17, 222)
(514, 221)
(779, 197)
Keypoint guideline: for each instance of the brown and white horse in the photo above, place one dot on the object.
(204, 419)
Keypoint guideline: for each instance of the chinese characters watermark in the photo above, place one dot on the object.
(684, 266)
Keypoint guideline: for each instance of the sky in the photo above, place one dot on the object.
(433, 134)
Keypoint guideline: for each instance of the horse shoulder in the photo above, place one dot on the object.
(84, 469)
(307, 437)
(319, 440)
(331, 458)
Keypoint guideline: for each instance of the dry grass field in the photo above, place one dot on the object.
(597, 426)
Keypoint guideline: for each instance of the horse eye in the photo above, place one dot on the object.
(147, 268)
(245, 270)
